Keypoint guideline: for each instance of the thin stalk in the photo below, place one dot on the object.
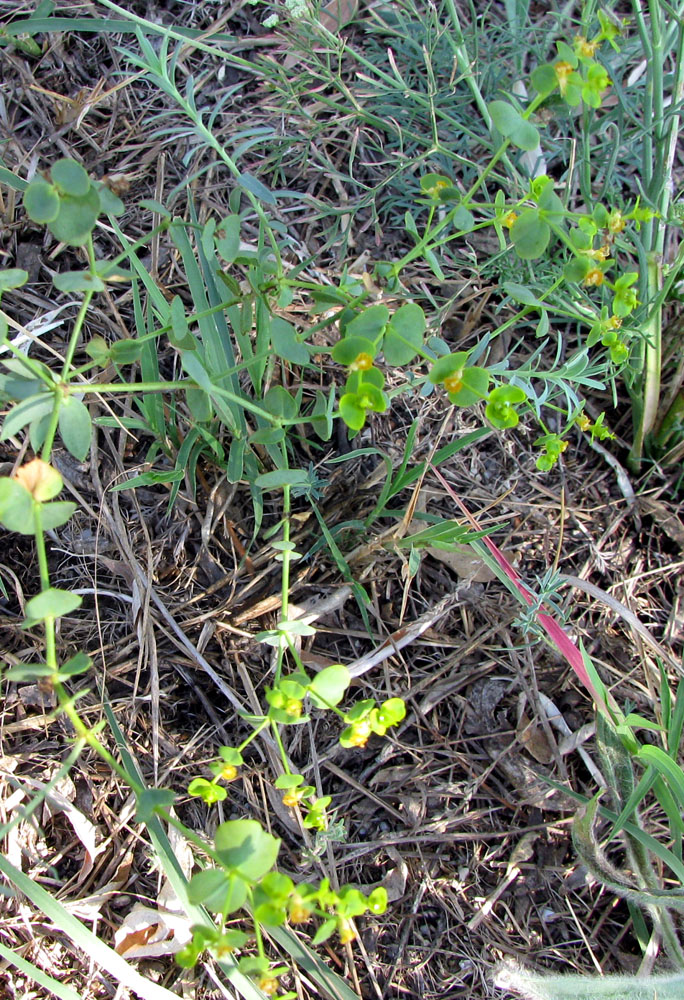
(43, 569)
(659, 187)
(58, 391)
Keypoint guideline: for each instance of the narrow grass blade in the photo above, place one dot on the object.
(84, 939)
(310, 963)
(38, 976)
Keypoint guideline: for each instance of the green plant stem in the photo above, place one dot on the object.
(275, 728)
(255, 732)
(658, 186)
(44, 571)
(59, 390)
(117, 387)
(285, 565)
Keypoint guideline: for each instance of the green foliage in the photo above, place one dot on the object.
(597, 271)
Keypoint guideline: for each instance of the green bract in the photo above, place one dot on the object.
(355, 405)
(499, 410)
(404, 335)
(347, 350)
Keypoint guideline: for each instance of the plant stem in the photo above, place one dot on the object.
(58, 390)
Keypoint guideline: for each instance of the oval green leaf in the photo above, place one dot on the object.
(12, 277)
(328, 687)
(16, 507)
(78, 281)
(404, 336)
(41, 202)
(51, 603)
(281, 477)
(530, 235)
(76, 218)
(75, 427)
(70, 177)
(505, 117)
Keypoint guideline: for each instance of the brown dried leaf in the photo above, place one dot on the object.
(464, 563)
(533, 738)
(149, 933)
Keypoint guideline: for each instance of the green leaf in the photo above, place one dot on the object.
(526, 136)
(446, 535)
(228, 245)
(326, 930)
(126, 351)
(16, 507)
(544, 79)
(70, 177)
(199, 403)
(520, 293)
(329, 686)
(110, 204)
(155, 206)
(352, 412)
(76, 218)
(447, 365)
(280, 403)
(51, 603)
(347, 350)
(210, 888)
(209, 791)
(53, 515)
(286, 343)
(576, 269)
(77, 664)
(78, 281)
(152, 478)
(505, 117)
(244, 846)
(286, 781)
(12, 277)
(150, 801)
(434, 184)
(463, 219)
(368, 324)
(268, 435)
(41, 202)
(75, 427)
(27, 672)
(196, 370)
(474, 386)
(179, 334)
(433, 264)
(667, 767)
(26, 412)
(256, 188)
(281, 477)
(530, 234)
(404, 335)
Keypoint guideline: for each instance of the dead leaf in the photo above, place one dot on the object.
(464, 563)
(32, 696)
(394, 882)
(533, 738)
(149, 933)
(336, 14)
(86, 831)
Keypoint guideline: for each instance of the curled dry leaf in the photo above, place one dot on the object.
(149, 933)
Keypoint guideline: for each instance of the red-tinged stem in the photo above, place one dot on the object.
(563, 643)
